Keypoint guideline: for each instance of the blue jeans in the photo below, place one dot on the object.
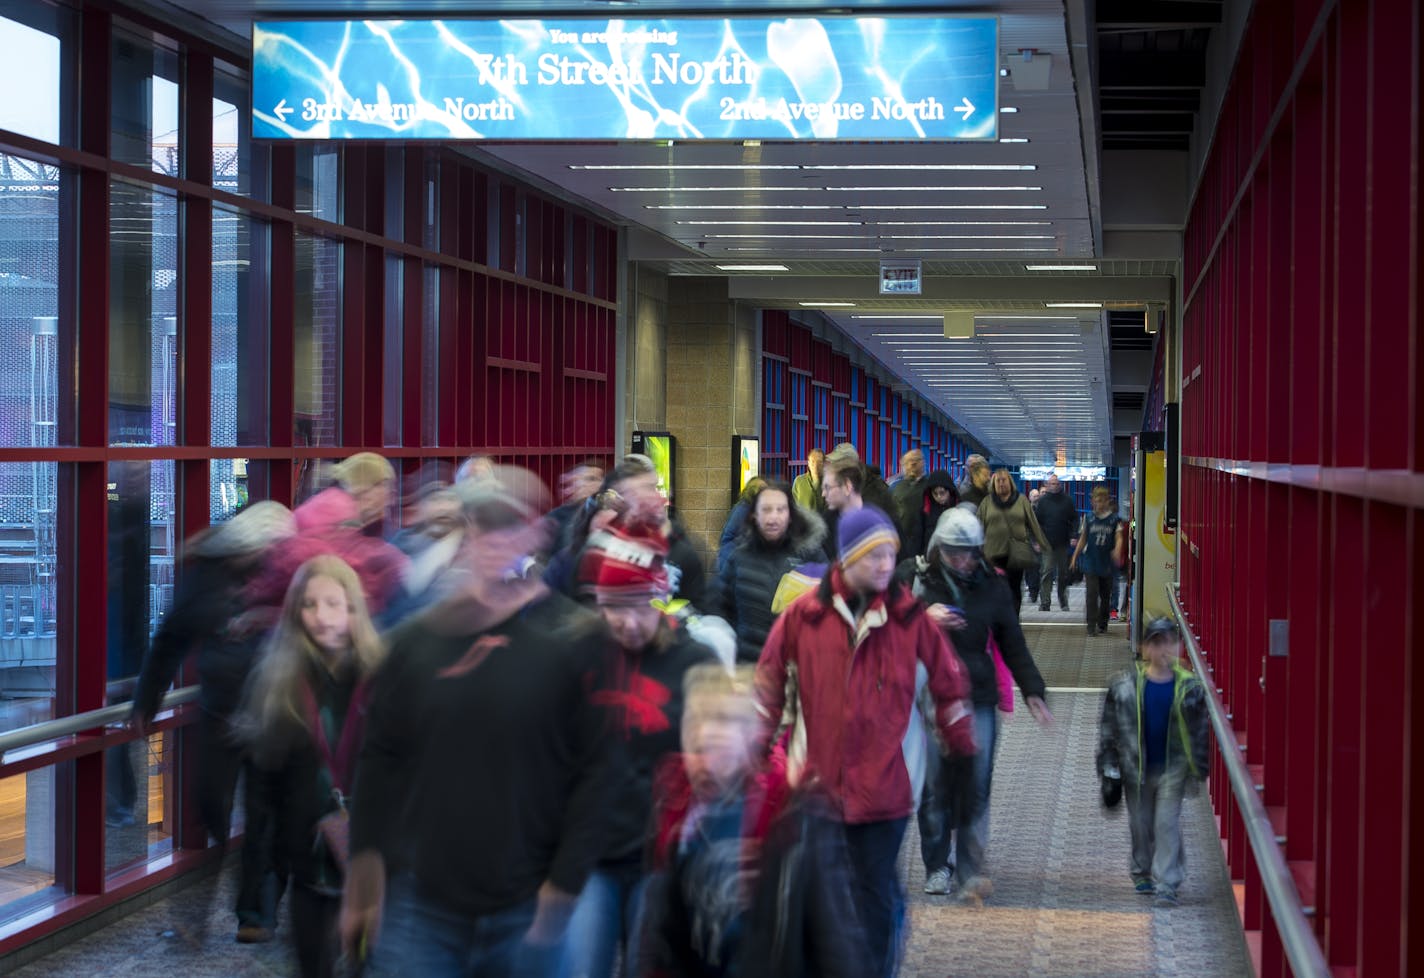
(609, 914)
(874, 849)
(972, 826)
(423, 939)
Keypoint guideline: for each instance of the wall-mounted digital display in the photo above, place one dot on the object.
(660, 447)
(746, 461)
(1068, 473)
(823, 78)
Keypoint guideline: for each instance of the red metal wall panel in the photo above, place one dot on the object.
(1300, 433)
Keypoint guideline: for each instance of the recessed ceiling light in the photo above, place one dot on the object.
(1007, 109)
(828, 305)
(1013, 139)
(754, 268)
(1061, 268)
(1073, 305)
(892, 316)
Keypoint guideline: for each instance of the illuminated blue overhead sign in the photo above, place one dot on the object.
(684, 78)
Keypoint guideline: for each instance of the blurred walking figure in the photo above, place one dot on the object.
(1101, 549)
(908, 493)
(1058, 518)
(1153, 743)
(750, 878)
(939, 495)
(630, 504)
(975, 485)
(485, 773)
(1012, 538)
(345, 520)
(207, 604)
(737, 521)
(776, 537)
(971, 603)
(1031, 574)
(806, 487)
(850, 658)
(576, 488)
(644, 696)
(431, 543)
(304, 716)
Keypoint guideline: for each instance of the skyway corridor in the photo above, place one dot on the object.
(1063, 905)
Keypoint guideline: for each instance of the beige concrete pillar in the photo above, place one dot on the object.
(711, 389)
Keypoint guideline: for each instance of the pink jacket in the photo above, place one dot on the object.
(328, 523)
(854, 687)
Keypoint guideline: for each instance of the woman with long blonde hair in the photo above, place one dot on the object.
(304, 717)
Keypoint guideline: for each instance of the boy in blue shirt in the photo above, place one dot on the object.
(1153, 741)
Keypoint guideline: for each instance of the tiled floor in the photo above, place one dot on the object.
(1063, 905)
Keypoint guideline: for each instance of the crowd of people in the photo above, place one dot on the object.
(520, 739)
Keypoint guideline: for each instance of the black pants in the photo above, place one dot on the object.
(874, 851)
(1031, 578)
(1100, 589)
(314, 930)
(1015, 578)
(263, 873)
(1055, 568)
(936, 816)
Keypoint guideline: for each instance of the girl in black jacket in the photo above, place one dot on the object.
(304, 716)
(779, 536)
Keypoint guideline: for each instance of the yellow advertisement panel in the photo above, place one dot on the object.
(1157, 556)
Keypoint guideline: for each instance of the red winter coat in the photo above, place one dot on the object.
(855, 688)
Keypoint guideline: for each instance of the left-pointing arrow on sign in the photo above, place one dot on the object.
(283, 110)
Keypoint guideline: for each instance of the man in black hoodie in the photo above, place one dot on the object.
(486, 763)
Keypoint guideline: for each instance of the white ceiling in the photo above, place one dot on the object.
(1031, 390)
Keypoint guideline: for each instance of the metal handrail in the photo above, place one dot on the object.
(1303, 951)
(41, 733)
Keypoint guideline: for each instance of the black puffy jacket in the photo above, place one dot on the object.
(988, 608)
(749, 578)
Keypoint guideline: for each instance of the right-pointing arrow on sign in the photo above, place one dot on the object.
(967, 108)
(282, 110)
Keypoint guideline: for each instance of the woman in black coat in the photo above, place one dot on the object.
(778, 536)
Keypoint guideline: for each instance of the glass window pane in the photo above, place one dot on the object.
(393, 360)
(231, 124)
(240, 329)
(318, 173)
(31, 65)
(228, 492)
(139, 804)
(316, 339)
(28, 560)
(144, 101)
(143, 315)
(29, 302)
(30, 802)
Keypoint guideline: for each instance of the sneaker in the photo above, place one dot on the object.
(1045, 606)
(253, 934)
(975, 891)
(1092, 631)
(1144, 887)
(1063, 606)
(1165, 898)
(938, 882)
(1113, 614)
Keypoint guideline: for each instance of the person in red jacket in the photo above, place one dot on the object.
(845, 663)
